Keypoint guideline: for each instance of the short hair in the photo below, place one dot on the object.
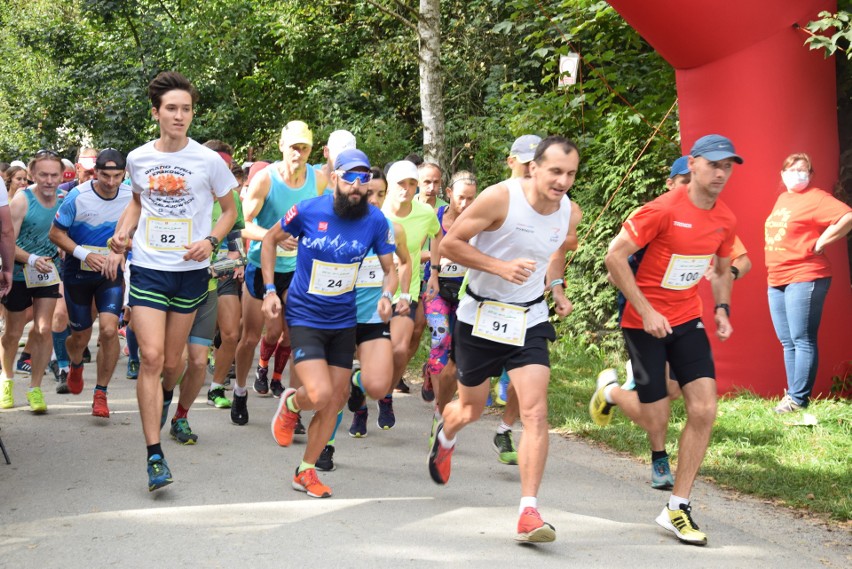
(462, 176)
(166, 81)
(239, 173)
(414, 158)
(219, 146)
(85, 151)
(379, 174)
(4, 166)
(43, 155)
(424, 165)
(793, 158)
(567, 145)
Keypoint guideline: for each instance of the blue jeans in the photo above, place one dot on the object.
(796, 311)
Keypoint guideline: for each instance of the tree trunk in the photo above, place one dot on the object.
(431, 79)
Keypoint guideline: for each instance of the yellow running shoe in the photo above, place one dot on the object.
(7, 398)
(36, 400)
(599, 409)
(680, 523)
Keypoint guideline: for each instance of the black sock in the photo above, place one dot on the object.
(154, 449)
(25, 356)
(167, 395)
(655, 454)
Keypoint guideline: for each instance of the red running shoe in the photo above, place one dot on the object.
(75, 379)
(99, 405)
(307, 481)
(532, 529)
(440, 459)
(284, 421)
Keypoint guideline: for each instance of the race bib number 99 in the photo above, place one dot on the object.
(685, 271)
(35, 279)
(168, 234)
(500, 322)
(332, 279)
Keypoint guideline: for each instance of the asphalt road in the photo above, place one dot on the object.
(76, 495)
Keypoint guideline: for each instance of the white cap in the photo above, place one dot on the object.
(18, 163)
(402, 170)
(338, 141)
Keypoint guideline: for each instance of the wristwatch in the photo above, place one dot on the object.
(727, 308)
(213, 241)
(388, 295)
(405, 296)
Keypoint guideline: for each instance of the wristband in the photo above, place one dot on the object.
(81, 252)
(388, 295)
(405, 296)
(269, 288)
(31, 261)
(726, 307)
(556, 282)
(213, 241)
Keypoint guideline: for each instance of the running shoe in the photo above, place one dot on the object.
(356, 395)
(132, 369)
(307, 481)
(325, 462)
(386, 418)
(24, 367)
(75, 380)
(787, 405)
(87, 355)
(62, 386)
(99, 404)
(53, 366)
(358, 429)
(402, 387)
(504, 446)
(227, 383)
(427, 391)
(7, 398)
(276, 388)
(629, 383)
(36, 400)
(501, 389)
(284, 421)
(680, 523)
(165, 415)
(599, 409)
(661, 474)
(440, 459)
(181, 432)
(159, 474)
(300, 428)
(216, 398)
(239, 409)
(533, 529)
(261, 381)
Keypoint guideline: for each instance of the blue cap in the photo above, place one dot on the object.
(714, 147)
(350, 159)
(680, 167)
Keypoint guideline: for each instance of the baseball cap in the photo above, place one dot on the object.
(87, 162)
(18, 163)
(350, 159)
(340, 140)
(714, 147)
(402, 170)
(524, 147)
(296, 132)
(680, 167)
(108, 155)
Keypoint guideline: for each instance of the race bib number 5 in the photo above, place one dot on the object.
(332, 279)
(168, 234)
(370, 274)
(685, 271)
(35, 279)
(501, 322)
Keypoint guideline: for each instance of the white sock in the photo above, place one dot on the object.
(241, 391)
(503, 428)
(445, 442)
(438, 414)
(214, 385)
(608, 393)
(527, 502)
(676, 501)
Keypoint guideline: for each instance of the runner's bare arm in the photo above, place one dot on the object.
(7, 249)
(556, 271)
(432, 285)
(126, 225)
(721, 286)
(255, 196)
(274, 235)
(389, 284)
(622, 277)
(406, 267)
(202, 249)
(573, 223)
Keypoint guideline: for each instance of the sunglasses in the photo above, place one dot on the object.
(47, 153)
(351, 177)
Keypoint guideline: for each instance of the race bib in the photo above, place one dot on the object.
(501, 322)
(450, 269)
(103, 251)
(370, 274)
(168, 234)
(35, 279)
(685, 271)
(332, 279)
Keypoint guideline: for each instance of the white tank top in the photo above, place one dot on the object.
(527, 234)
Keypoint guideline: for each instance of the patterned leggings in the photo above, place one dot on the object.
(441, 317)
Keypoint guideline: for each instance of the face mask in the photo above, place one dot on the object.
(795, 180)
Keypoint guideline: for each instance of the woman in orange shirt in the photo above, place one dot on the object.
(803, 221)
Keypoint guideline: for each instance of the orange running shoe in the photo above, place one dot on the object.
(284, 421)
(440, 459)
(75, 379)
(99, 405)
(307, 481)
(532, 529)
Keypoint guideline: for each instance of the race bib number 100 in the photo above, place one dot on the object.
(501, 322)
(685, 271)
(332, 279)
(168, 234)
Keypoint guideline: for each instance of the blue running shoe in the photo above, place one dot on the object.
(159, 474)
(386, 418)
(661, 474)
(358, 429)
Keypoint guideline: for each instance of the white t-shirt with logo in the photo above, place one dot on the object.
(177, 191)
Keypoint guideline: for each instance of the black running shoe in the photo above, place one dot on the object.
(87, 355)
(62, 386)
(239, 409)
(300, 428)
(261, 381)
(326, 459)
(276, 388)
(54, 367)
(356, 396)
(402, 387)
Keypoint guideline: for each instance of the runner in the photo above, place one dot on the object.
(508, 238)
(335, 233)
(683, 229)
(7, 244)
(84, 222)
(36, 280)
(272, 192)
(174, 182)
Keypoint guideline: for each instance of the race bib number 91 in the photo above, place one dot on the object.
(500, 322)
(685, 271)
(332, 279)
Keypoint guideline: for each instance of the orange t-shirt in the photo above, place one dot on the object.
(681, 240)
(791, 231)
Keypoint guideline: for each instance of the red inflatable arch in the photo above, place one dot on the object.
(742, 71)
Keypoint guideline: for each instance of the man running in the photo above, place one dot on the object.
(507, 238)
(683, 229)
